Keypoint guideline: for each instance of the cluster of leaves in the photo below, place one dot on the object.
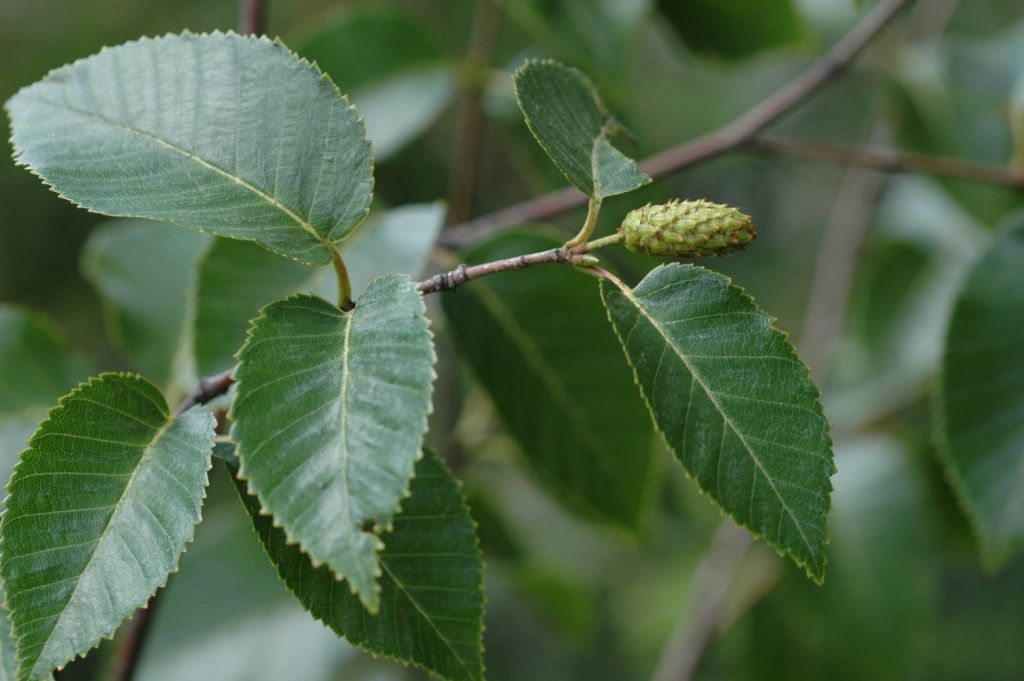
(283, 169)
(368, 531)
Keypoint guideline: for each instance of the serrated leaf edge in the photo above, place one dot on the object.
(277, 42)
(815, 573)
(108, 635)
(377, 528)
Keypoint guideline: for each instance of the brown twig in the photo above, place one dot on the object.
(252, 16)
(889, 160)
(453, 279)
(708, 592)
(469, 133)
(837, 259)
(129, 650)
(716, 143)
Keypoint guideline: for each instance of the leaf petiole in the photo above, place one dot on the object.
(344, 286)
(593, 209)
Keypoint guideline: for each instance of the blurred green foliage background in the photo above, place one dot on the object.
(905, 596)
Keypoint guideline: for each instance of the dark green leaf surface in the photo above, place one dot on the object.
(539, 342)
(981, 410)
(37, 367)
(222, 133)
(395, 70)
(101, 506)
(736, 28)
(142, 270)
(329, 419)
(236, 279)
(568, 118)
(432, 601)
(733, 401)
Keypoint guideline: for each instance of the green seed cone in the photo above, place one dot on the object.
(687, 229)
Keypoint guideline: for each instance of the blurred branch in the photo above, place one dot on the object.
(725, 139)
(709, 588)
(836, 262)
(252, 17)
(889, 160)
(129, 649)
(469, 133)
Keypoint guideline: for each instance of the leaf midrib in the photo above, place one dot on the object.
(721, 411)
(346, 349)
(267, 198)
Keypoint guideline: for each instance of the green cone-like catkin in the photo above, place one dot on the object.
(687, 229)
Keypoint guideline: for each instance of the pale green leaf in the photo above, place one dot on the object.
(37, 367)
(142, 270)
(981, 411)
(396, 71)
(235, 279)
(432, 602)
(733, 401)
(568, 118)
(101, 506)
(539, 343)
(227, 134)
(329, 419)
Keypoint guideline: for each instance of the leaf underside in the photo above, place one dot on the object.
(565, 113)
(982, 398)
(101, 506)
(557, 377)
(733, 401)
(329, 419)
(432, 601)
(223, 133)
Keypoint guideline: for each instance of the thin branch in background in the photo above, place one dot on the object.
(252, 17)
(709, 589)
(130, 645)
(889, 160)
(126, 657)
(708, 146)
(837, 259)
(465, 166)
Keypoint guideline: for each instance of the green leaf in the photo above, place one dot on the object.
(432, 602)
(142, 269)
(37, 367)
(101, 506)
(982, 398)
(733, 401)
(236, 279)
(226, 134)
(539, 342)
(396, 71)
(737, 28)
(569, 120)
(329, 419)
